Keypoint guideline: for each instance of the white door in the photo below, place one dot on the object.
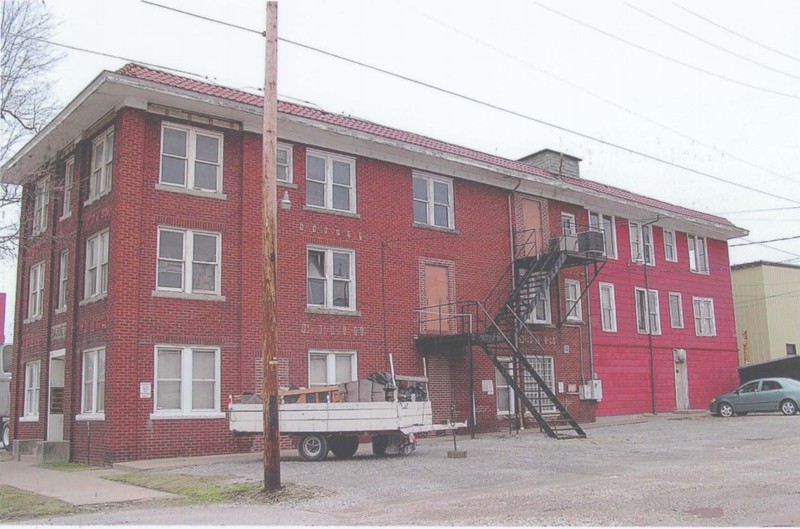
(681, 380)
(55, 397)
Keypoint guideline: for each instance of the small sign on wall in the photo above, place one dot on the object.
(487, 386)
(145, 390)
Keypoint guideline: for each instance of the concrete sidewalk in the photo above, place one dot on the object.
(77, 488)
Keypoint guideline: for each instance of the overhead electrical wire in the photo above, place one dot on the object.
(732, 32)
(763, 242)
(709, 43)
(490, 105)
(667, 57)
(762, 210)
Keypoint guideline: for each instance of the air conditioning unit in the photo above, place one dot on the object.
(592, 390)
(569, 243)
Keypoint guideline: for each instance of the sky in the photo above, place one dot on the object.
(712, 87)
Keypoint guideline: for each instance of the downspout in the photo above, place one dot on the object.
(589, 322)
(647, 310)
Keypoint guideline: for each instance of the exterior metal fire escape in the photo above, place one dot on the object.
(500, 324)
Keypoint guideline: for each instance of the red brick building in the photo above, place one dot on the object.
(139, 287)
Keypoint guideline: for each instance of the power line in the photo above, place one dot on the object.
(593, 94)
(667, 57)
(756, 210)
(732, 32)
(762, 242)
(498, 108)
(709, 43)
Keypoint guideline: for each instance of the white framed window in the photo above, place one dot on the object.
(102, 165)
(40, 201)
(191, 158)
(96, 283)
(704, 321)
(648, 316)
(66, 197)
(326, 368)
(504, 394)
(33, 371)
(433, 200)
(641, 243)
(670, 246)
(698, 254)
(605, 224)
(330, 181)
(284, 163)
(187, 381)
(572, 294)
(608, 308)
(93, 395)
(188, 261)
(36, 291)
(541, 312)
(675, 310)
(330, 277)
(63, 270)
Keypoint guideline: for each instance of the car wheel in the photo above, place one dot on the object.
(344, 446)
(313, 447)
(788, 407)
(725, 410)
(6, 440)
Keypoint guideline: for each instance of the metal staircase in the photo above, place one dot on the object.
(500, 324)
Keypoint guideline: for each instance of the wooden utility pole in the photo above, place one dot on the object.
(272, 451)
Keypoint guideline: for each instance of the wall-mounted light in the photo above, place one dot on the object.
(285, 202)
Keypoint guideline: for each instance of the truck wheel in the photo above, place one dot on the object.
(379, 444)
(313, 447)
(6, 440)
(344, 446)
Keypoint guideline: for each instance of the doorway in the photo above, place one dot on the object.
(437, 318)
(55, 396)
(532, 240)
(681, 380)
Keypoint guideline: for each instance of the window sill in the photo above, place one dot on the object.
(92, 200)
(89, 301)
(187, 416)
(332, 312)
(65, 217)
(29, 418)
(290, 185)
(193, 192)
(60, 311)
(571, 321)
(33, 319)
(609, 330)
(91, 417)
(442, 229)
(700, 272)
(317, 209)
(187, 295)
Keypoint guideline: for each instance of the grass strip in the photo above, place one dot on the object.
(17, 505)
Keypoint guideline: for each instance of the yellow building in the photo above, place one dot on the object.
(766, 300)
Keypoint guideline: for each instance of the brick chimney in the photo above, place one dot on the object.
(557, 163)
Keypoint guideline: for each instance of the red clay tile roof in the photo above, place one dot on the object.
(168, 79)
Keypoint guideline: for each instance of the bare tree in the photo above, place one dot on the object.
(26, 103)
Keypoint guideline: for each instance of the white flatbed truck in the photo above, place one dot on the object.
(336, 426)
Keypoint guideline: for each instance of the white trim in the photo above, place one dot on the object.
(66, 197)
(430, 203)
(641, 247)
(63, 281)
(328, 184)
(649, 313)
(187, 263)
(680, 309)
(32, 417)
(90, 417)
(189, 180)
(545, 302)
(664, 232)
(98, 352)
(330, 364)
(96, 289)
(159, 416)
(289, 162)
(698, 322)
(41, 201)
(36, 309)
(328, 252)
(191, 192)
(58, 353)
(604, 325)
(695, 266)
(614, 254)
(186, 381)
(102, 186)
(574, 313)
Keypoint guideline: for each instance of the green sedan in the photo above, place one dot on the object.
(763, 394)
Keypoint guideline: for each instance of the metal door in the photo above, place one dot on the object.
(681, 380)
(437, 317)
(55, 397)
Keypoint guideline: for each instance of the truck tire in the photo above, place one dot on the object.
(5, 442)
(344, 446)
(313, 447)
(379, 444)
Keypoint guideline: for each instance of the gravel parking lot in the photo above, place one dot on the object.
(666, 470)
